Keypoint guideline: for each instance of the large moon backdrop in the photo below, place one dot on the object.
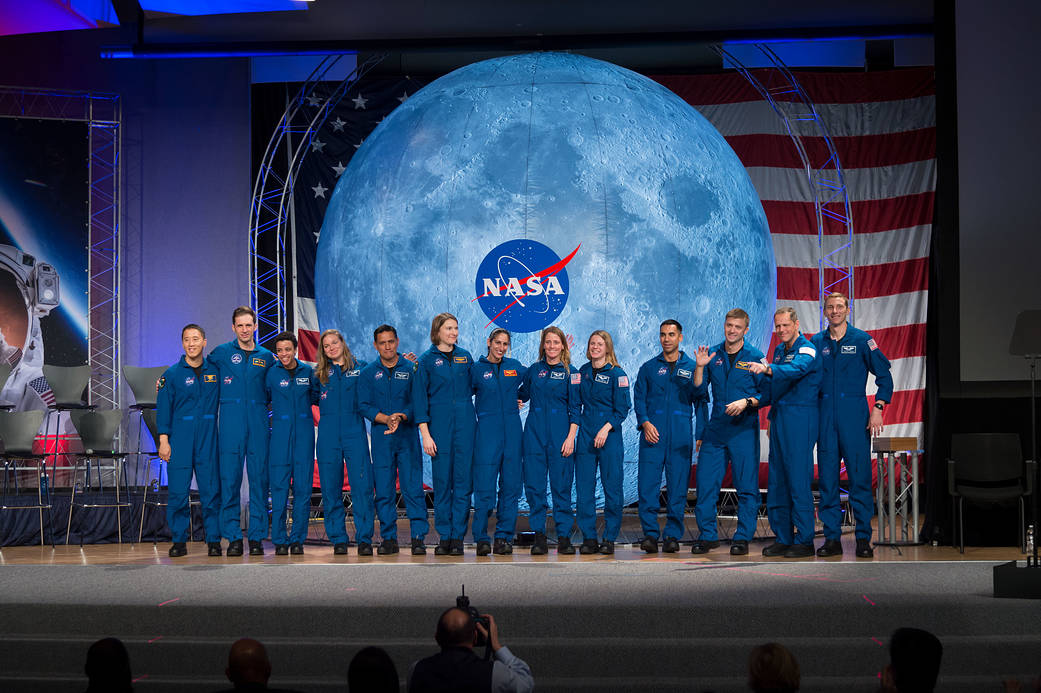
(532, 156)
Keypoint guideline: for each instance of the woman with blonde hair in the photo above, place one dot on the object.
(444, 411)
(604, 392)
(342, 437)
(551, 386)
(495, 379)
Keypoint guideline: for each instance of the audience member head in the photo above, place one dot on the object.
(772, 669)
(372, 671)
(455, 628)
(248, 663)
(914, 661)
(108, 666)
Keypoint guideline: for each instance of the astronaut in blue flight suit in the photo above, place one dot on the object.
(551, 386)
(496, 380)
(385, 399)
(443, 401)
(732, 433)
(604, 392)
(342, 437)
(243, 431)
(186, 418)
(292, 388)
(846, 426)
(791, 389)
(664, 398)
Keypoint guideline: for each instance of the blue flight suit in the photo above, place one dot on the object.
(186, 411)
(291, 449)
(665, 395)
(497, 449)
(792, 393)
(395, 456)
(341, 436)
(605, 399)
(844, 416)
(443, 399)
(730, 438)
(555, 402)
(243, 432)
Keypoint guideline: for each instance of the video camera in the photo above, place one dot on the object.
(463, 602)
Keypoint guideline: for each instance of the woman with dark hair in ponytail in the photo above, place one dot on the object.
(495, 379)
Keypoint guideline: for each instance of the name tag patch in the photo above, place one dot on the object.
(460, 359)
(556, 375)
(354, 374)
(601, 378)
(260, 362)
(401, 375)
(510, 373)
(683, 373)
(742, 365)
(849, 348)
(207, 378)
(303, 381)
(789, 357)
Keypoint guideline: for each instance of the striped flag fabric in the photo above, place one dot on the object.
(883, 125)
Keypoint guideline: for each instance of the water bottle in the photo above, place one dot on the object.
(43, 484)
(1030, 540)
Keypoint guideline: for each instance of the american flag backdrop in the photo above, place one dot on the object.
(883, 125)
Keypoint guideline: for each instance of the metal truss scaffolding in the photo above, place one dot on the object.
(102, 113)
(271, 206)
(780, 88)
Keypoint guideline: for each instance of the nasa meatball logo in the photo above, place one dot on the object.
(284, 382)
(542, 373)
(487, 375)
(379, 374)
(522, 285)
(662, 370)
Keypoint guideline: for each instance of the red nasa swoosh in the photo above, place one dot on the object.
(548, 272)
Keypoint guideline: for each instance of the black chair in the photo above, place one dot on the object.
(5, 373)
(143, 385)
(988, 468)
(98, 431)
(18, 432)
(68, 385)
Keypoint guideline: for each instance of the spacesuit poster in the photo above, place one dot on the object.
(44, 192)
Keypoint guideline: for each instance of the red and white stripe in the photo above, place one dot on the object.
(883, 126)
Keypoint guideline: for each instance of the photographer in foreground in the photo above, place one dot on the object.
(458, 668)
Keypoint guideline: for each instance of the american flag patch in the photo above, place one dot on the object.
(623, 381)
(871, 344)
(576, 378)
(43, 389)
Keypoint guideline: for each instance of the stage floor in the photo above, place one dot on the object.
(322, 554)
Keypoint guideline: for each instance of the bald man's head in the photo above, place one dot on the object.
(455, 628)
(248, 662)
